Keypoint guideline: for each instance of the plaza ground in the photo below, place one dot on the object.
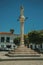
(19, 62)
(22, 62)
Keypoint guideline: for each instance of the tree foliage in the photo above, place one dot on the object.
(26, 41)
(35, 37)
(17, 41)
(32, 37)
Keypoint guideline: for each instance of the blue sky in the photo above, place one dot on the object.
(10, 12)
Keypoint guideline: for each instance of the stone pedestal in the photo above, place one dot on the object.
(23, 51)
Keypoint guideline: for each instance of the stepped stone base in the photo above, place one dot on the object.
(23, 51)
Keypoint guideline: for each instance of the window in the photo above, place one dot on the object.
(8, 46)
(8, 39)
(2, 39)
(41, 46)
(2, 46)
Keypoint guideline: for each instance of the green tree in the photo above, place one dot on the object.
(26, 41)
(33, 37)
(41, 39)
(17, 41)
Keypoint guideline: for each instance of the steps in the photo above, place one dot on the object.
(23, 52)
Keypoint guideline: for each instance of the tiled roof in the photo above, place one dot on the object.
(6, 33)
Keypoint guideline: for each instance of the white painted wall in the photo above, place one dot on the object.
(33, 46)
(11, 40)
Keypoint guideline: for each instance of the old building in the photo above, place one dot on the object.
(7, 40)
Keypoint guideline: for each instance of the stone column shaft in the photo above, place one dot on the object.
(22, 33)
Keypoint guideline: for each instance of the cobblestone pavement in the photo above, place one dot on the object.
(22, 62)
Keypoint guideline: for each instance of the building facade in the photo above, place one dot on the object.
(38, 47)
(7, 40)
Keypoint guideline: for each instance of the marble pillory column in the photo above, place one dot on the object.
(22, 19)
(22, 51)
